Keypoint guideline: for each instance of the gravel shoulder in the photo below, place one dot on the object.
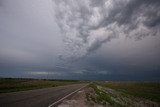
(79, 99)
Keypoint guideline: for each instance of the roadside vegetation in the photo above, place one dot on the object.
(125, 94)
(147, 90)
(21, 84)
(101, 97)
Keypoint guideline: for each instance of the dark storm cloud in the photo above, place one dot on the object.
(80, 39)
(126, 12)
(87, 26)
(78, 19)
(131, 11)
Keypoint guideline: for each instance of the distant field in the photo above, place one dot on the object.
(13, 85)
(125, 94)
(148, 90)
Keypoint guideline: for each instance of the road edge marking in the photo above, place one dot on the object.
(53, 104)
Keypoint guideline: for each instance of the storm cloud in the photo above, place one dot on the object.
(87, 24)
(80, 39)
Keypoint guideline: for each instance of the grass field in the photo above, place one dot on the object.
(13, 85)
(126, 94)
(147, 90)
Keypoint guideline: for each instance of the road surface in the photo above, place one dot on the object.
(37, 98)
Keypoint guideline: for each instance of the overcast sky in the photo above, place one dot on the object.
(80, 39)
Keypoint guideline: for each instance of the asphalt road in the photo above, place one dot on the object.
(37, 98)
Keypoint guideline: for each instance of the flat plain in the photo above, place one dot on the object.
(23, 84)
(97, 93)
(125, 94)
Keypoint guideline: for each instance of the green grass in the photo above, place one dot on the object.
(147, 90)
(13, 85)
(125, 94)
(102, 97)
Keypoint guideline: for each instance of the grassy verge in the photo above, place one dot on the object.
(102, 97)
(12, 85)
(125, 94)
(147, 90)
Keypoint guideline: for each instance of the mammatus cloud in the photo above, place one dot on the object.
(87, 24)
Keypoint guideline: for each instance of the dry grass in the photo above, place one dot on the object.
(12, 85)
